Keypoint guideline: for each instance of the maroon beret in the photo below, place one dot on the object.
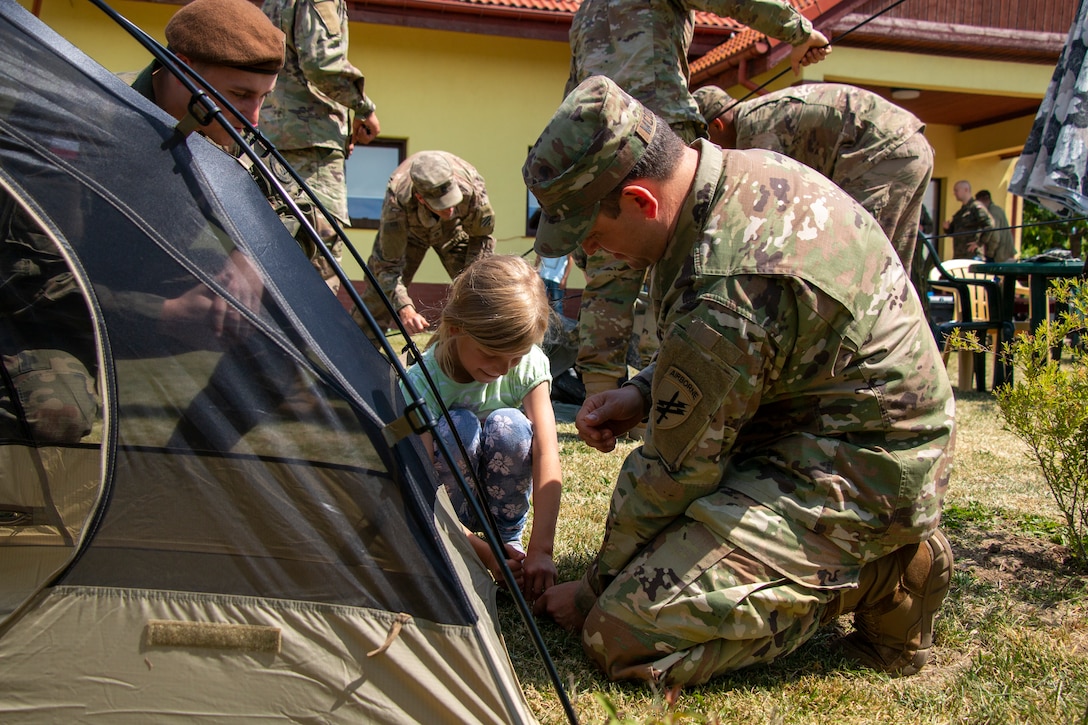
(233, 33)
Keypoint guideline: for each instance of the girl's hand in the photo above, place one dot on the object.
(540, 573)
(514, 560)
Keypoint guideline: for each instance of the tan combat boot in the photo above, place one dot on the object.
(894, 606)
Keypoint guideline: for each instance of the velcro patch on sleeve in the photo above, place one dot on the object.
(676, 397)
(330, 16)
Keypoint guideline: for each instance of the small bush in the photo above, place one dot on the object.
(1047, 407)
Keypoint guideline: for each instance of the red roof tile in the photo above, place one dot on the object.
(562, 7)
(558, 6)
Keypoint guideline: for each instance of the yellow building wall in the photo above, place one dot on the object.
(983, 156)
(485, 99)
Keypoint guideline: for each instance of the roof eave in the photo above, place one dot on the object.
(855, 30)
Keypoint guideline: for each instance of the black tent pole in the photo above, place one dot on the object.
(204, 111)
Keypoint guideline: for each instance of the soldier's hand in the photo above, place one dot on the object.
(242, 281)
(366, 129)
(606, 416)
(200, 318)
(413, 321)
(558, 602)
(813, 50)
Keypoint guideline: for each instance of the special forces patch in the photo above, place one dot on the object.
(677, 396)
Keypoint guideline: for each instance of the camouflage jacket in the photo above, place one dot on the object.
(971, 217)
(643, 46)
(41, 305)
(1000, 243)
(798, 403)
(405, 220)
(318, 87)
(141, 83)
(839, 130)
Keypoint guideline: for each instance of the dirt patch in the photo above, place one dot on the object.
(1004, 559)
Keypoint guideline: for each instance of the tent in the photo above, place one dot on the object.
(235, 536)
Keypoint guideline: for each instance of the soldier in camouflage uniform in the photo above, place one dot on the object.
(434, 200)
(237, 50)
(643, 46)
(46, 337)
(318, 110)
(243, 67)
(968, 223)
(873, 149)
(800, 421)
(998, 243)
(48, 340)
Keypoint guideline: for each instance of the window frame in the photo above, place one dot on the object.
(532, 214)
(401, 146)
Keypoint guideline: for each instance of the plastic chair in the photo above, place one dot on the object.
(977, 309)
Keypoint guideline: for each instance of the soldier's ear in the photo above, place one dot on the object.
(643, 198)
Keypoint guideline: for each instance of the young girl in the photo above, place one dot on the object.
(488, 368)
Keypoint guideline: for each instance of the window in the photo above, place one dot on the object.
(368, 170)
(532, 214)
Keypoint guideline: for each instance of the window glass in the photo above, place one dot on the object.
(532, 215)
(368, 170)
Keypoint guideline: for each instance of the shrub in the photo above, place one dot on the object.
(1045, 230)
(1047, 407)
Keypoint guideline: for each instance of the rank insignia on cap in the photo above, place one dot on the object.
(676, 396)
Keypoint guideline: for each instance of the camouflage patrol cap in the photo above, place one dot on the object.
(432, 178)
(712, 102)
(233, 33)
(589, 147)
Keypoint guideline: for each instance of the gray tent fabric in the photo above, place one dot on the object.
(1053, 167)
(232, 537)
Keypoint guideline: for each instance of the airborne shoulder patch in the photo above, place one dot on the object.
(674, 399)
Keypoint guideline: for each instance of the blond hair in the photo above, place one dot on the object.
(499, 301)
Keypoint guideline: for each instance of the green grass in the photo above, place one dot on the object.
(1012, 637)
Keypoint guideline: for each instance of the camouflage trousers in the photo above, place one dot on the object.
(606, 318)
(323, 171)
(961, 246)
(54, 393)
(892, 191)
(692, 606)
